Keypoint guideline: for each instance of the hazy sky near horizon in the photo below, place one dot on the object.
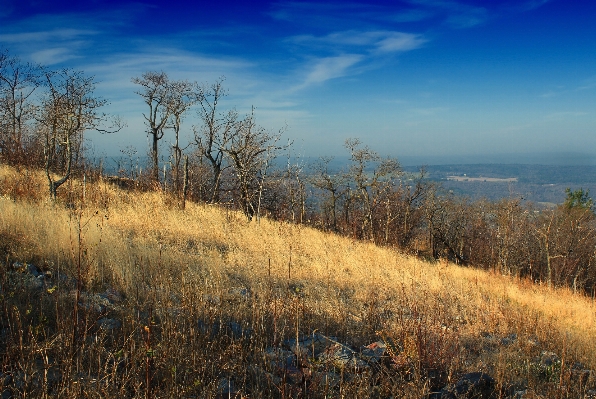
(413, 77)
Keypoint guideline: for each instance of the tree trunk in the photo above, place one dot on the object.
(185, 186)
(155, 157)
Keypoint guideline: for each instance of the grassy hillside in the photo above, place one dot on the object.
(201, 303)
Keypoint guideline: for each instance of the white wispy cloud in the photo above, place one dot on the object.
(49, 46)
(330, 67)
(52, 56)
(365, 41)
(399, 41)
(349, 52)
(45, 36)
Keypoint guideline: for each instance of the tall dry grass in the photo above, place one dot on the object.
(279, 280)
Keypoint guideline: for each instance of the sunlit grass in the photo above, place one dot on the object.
(143, 245)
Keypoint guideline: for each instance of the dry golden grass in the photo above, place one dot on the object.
(350, 289)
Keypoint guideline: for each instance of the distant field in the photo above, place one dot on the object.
(483, 179)
(534, 183)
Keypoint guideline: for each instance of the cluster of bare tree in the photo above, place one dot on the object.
(233, 155)
(44, 115)
(230, 160)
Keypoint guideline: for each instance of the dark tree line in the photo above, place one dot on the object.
(228, 159)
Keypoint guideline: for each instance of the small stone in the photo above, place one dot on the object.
(342, 357)
(548, 359)
(310, 346)
(375, 351)
(472, 385)
(31, 269)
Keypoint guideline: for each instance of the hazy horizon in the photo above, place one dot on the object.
(423, 80)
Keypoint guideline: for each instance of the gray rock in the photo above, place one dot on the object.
(472, 385)
(95, 302)
(549, 359)
(32, 270)
(27, 268)
(374, 352)
(341, 356)
(525, 394)
(310, 346)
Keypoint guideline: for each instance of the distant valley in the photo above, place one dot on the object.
(535, 183)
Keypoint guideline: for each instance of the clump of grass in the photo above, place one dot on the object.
(204, 294)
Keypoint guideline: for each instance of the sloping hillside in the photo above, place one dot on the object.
(110, 293)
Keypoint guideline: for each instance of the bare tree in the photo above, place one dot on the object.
(373, 177)
(294, 188)
(404, 206)
(450, 224)
(333, 184)
(567, 236)
(216, 131)
(184, 96)
(69, 109)
(18, 82)
(251, 150)
(156, 91)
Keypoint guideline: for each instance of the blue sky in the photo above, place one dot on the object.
(423, 78)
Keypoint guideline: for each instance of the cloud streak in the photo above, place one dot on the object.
(383, 41)
(329, 68)
(44, 36)
(349, 48)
